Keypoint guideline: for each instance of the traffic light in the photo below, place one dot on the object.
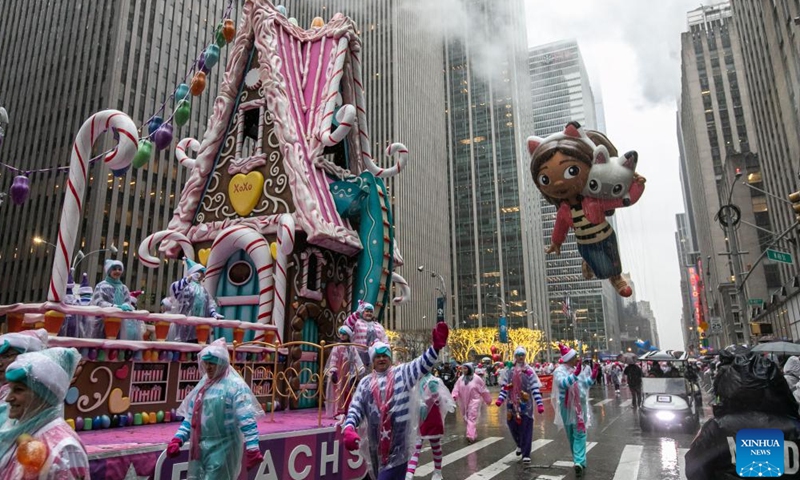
(795, 199)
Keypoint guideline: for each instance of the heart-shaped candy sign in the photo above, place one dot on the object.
(202, 255)
(117, 403)
(244, 192)
(334, 293)
(122, 372)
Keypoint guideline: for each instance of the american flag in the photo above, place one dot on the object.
(565, 307)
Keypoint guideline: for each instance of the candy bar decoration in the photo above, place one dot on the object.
(180, 152)
(72, 211)
(153, 240)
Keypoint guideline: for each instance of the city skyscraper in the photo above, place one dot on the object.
(497, 252)
(722, 167)
(689, 279)
(771, 58)
(402, 71)
(561, 93)
(62, 62)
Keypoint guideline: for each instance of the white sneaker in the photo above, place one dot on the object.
(526, 460)
(437, 476)
(519, 451)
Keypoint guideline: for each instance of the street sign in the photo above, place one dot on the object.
(755, 301)
(715, 324)
(777, 256)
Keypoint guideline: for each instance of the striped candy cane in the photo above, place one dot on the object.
(253, 243)
(347, 114)
(72, 212)
(397, 150)
(150, 242)
(285, 247)
(403, 290)
(180, 152)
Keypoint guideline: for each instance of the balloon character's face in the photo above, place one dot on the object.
(18, 399)
(562, 177)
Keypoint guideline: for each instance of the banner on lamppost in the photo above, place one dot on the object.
(503, 326)
(439, 309)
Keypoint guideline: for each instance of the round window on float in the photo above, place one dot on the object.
(239, 273)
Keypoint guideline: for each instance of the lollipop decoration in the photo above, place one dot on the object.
(72, 211)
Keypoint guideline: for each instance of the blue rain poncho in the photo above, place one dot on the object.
(220, 416)
(47, 374)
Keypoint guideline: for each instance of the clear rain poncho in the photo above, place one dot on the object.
(40, 381)
(220, 416)
(571, 404)
(434, 399)
(190, 298)
(20, 342)
(345, 367)
(108, 293)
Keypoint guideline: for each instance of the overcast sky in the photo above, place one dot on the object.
(631, 50)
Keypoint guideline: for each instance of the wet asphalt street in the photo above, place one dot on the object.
(617, 448)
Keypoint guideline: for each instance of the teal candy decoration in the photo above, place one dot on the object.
(180, 93)
(281, 9)
(212, 55)
(72, 396)
(106, 421)
(348, 196)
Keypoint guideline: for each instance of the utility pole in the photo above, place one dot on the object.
(729, 216)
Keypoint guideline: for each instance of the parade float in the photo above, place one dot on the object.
(288, 211)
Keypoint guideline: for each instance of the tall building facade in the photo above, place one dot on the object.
(62, 62)
(497, 252)
(771, 59)
(689, 283)
(721, 167)
(402, 71)
(561, 93)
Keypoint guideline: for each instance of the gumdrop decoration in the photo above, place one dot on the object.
(293, 21)
(281, 9)
(163, 136)
(182, 113)
(221, 37)
(201, 61)
(228, 30)
(211, 56)
(20, 189)
(181, 92)
(155, 122)
(198, 83)
(31, 453)
(143, 154)
(318, 22)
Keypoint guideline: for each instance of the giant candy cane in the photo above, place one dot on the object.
(253, 243)
(396, 149)
(346, 115)
(403, 290)
(180, 152)
(72, 212)
(285, 247)
(170, 235)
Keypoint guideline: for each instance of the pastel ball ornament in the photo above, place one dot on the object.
(182, 113)
(163, 136)
(31, 453)
(212, 55)
(20, 189)
(182, 91)
(156, 122)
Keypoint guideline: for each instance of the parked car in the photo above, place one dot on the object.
(669, 400)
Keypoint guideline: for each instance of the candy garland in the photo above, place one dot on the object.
(160, 131)
(72, 211)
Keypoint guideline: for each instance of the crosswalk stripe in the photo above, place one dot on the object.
(628, 466)
(626, 403)
(682, 463)
(607, 400)
(458, 454)
(550, 477)
(568, 464)
(504, 463)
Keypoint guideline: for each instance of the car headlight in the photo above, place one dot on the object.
(666, 416)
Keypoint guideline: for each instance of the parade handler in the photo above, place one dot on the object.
(570, 399)
(36, 442)
(111, 292)
(191, 299)
(468, 393)
(518, 384)
(382, 408)
(220, 416)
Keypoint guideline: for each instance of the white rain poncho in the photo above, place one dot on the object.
(108, 293)
(434, 399)
(227, 411)
(39, 380)
(570, 396)
(191, 299)
(372, 412)
(343, 369)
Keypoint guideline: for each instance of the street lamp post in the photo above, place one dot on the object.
(442, 289)
(80, 256)
(728, 217)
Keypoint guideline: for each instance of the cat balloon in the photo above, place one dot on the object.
(611, 177)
